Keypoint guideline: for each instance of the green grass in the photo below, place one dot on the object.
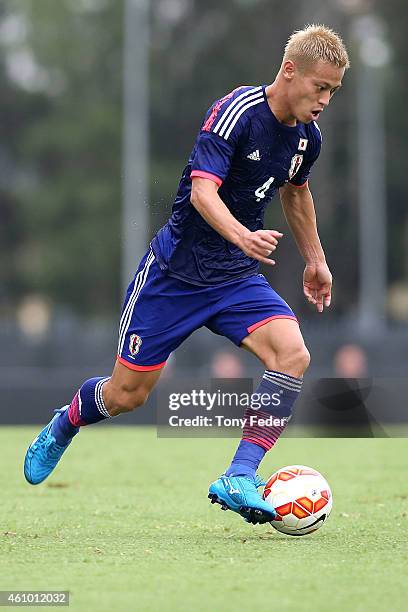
(125, 524)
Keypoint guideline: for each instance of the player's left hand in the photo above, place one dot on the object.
(317, 284)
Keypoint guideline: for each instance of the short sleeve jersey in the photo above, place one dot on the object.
(243, 148)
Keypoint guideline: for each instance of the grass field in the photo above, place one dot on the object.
(125, 524)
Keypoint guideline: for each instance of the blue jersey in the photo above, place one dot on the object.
(249, 154)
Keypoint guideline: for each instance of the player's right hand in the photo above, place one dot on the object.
(260, 244)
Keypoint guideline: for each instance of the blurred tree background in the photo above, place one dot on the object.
(61, 133)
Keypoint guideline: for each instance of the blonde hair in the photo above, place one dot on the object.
(316, 42)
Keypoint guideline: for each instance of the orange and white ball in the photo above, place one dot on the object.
(301, 497)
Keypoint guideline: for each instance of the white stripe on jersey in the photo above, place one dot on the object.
(256, 96)
(315, 124)
(231, 127)
(233, 104)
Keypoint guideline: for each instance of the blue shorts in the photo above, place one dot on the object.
(161, 311)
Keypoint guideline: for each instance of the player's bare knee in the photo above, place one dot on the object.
(304, 359)
(294, 360)
(300, 359)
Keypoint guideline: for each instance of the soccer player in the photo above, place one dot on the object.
(202, 267)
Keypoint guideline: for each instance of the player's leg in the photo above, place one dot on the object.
(158, 314)
(105, 397)
(128, 389)
(258, 319)
(97, 399)
(280, 347)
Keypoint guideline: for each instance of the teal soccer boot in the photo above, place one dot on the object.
(43, 453)
(239, 494)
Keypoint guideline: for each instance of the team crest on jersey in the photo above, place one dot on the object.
(295, 165)
(134, 344)
(302, 144)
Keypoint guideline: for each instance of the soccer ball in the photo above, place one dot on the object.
(301, 498)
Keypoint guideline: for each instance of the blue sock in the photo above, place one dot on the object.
(63, 430)
(86, 408)
(246, 460)
(275, 396)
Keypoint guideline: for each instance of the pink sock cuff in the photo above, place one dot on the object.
(74, 414)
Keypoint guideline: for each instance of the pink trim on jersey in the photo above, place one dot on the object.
(206, 175)
(299, 186)
(141, 368)
(208, 124)
(251, 328)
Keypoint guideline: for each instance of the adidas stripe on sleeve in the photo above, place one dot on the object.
(234, 110)
(220, 132)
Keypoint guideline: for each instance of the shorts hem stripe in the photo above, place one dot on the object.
(141, 368)
(252, 328)
(299, 186)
